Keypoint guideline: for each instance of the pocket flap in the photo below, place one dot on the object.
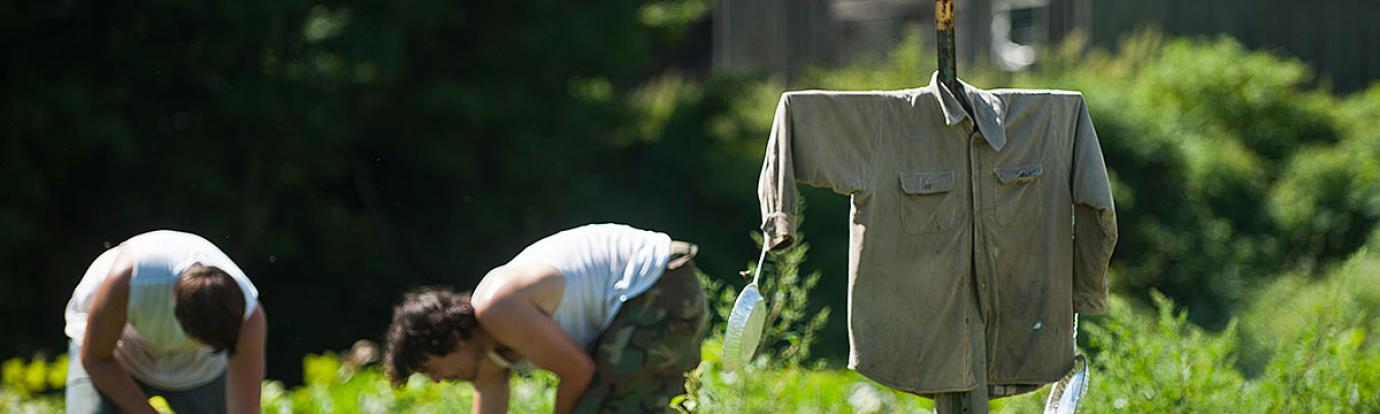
(927, 182)
(1020, 175)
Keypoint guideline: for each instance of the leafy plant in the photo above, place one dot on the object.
(35, 377)
(792, 327)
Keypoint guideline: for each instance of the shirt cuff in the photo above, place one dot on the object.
(779, 229)
(1089, 305)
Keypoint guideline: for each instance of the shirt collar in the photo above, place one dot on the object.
(990, 112)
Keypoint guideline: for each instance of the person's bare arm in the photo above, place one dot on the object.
(105, 321)
(490, 389)
(245, 374)
(515, 321)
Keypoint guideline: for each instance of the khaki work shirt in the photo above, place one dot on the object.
(1015, 214)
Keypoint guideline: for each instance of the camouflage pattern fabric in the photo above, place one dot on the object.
(641, 359)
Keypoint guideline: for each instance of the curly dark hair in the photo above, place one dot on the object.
(431, 320)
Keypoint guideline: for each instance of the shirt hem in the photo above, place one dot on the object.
(164, 387)
(912, 389)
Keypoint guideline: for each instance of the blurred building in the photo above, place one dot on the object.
(1338, 37)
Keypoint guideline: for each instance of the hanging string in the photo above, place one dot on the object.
(757, 273)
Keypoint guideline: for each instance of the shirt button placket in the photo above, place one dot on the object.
(980, 272)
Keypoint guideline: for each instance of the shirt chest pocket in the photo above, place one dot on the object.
(1019, 194)
(928, 202)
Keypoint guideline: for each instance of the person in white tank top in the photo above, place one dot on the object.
(615, 312)
(165, 313)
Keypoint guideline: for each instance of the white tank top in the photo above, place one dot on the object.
(153, 347)
(603, 265)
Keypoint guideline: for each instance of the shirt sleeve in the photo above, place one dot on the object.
(820, 139)
(1095, 230)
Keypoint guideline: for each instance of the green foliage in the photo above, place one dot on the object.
(15, 402)
(1160, 363)
(672, 16)
(1327, 370)
(1329, 196)
(38, 376)
(333, 387)
(761, 388)
(1257, 98)
(1288, 311)
(1324, 338)
(34, 386)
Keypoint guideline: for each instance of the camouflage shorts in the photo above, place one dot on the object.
(641, 359)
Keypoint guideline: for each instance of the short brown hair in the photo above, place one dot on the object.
(430, 321)
(210, 306)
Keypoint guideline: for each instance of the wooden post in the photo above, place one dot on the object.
(944, 26)
(975, 401)
(948, 71)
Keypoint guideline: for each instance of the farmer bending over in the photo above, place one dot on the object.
(615, 312)
(165, 313)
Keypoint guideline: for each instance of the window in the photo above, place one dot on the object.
(1018, 31)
